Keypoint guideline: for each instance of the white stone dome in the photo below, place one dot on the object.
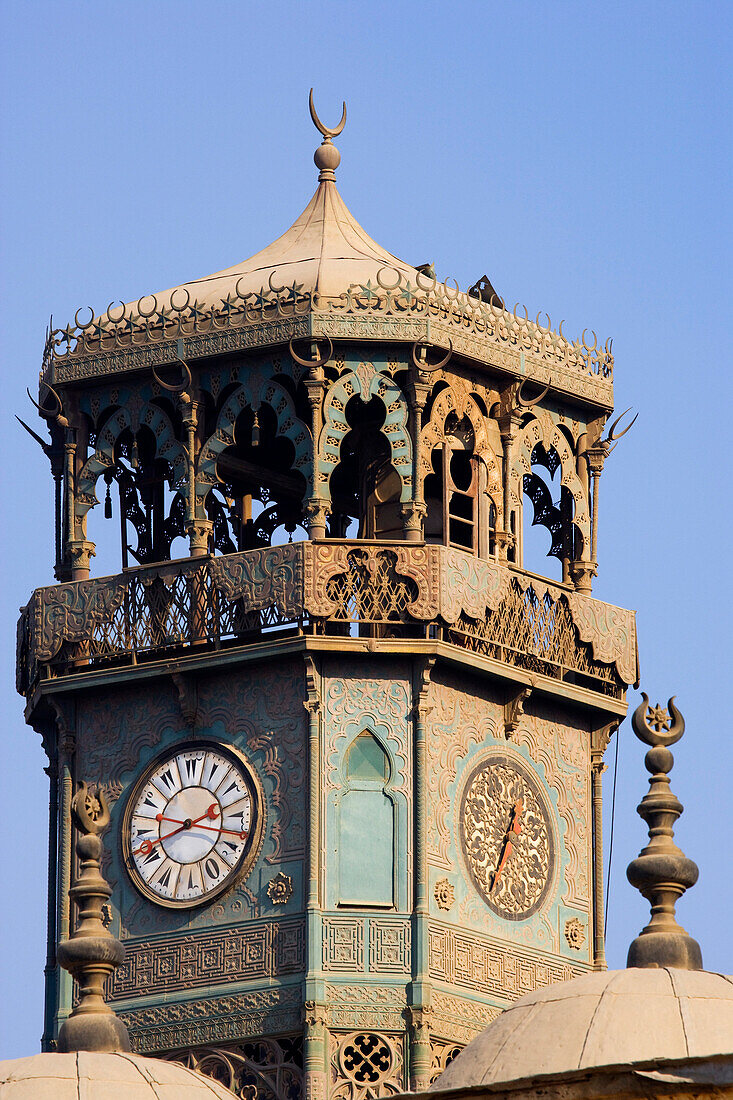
(93, 1076)
(605, 1019)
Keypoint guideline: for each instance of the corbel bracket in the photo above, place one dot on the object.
(312, 700)
(187, 697)
(423, 687)
(514, 709)
(600, 738)
(65, 731)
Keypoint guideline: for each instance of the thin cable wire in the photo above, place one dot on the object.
(610, 843)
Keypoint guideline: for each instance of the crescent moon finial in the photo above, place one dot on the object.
(327, 132)
(327, 157)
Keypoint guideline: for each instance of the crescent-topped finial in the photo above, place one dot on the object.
(325, 130)
(327, 157)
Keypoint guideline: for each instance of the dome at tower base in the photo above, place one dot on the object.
(646, 1032)
(86, 1075)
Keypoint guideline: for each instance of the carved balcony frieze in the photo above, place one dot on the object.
(379, 590)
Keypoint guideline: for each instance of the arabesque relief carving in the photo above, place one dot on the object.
(191, 1023)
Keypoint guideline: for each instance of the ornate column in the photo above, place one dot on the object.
(52, 771)
(316, 507)
(414, 512)
(79, 551)
(585, 570)
(198, 530)
(421, 1051)
(315, 1051)
(315, 1034)
(597, 768)
(509, 423)
(419, 1012)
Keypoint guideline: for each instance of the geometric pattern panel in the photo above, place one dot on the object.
(389, 946)
(262, 950)
(343, 944)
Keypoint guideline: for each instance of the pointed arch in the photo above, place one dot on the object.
(252, 393)
(365, 381)
(136, 415)
(366, 807)
(454, 399)
(541, 429)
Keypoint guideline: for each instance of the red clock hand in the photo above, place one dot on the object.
(514, 828)
(212, 813)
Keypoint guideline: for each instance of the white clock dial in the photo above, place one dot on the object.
(190, 825)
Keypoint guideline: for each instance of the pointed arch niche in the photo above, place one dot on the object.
(366, 824)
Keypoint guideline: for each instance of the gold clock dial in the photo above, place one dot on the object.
(191, 824)
(507, 836)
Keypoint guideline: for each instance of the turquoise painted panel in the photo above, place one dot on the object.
(366, 865)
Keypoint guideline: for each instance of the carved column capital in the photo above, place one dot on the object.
(413, 514)
(315, 1015)
(199, 531)
(81, 552)
(582, 573)
(314, 517)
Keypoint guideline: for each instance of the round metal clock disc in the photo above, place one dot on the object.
(190, 825)
(506, 836)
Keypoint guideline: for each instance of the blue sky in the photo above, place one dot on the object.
(578, 154)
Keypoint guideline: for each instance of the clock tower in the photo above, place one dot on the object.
(351, 745)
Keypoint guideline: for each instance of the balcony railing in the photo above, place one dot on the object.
(368, 589)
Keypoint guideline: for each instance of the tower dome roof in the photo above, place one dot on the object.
(601, 1020)
(325, 251)
(104, 1077)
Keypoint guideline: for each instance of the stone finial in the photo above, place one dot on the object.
(327, 157)
(661, 871)
(92, 952)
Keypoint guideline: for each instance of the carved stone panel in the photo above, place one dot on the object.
(343, 944)
(191, 1023)
(263, 949)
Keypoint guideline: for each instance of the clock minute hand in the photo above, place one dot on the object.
(513, 829)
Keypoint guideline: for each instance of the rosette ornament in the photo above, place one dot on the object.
(661, 872)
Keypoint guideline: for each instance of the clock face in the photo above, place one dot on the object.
(507, 836)
(191, 824)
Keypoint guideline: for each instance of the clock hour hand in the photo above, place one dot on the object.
(513, 830)
(212, 813)
(147, 845)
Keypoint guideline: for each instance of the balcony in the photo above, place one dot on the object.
(376, 590)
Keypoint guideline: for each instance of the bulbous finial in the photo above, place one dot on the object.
(327, 157)
(92, 952)
(661, 872)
